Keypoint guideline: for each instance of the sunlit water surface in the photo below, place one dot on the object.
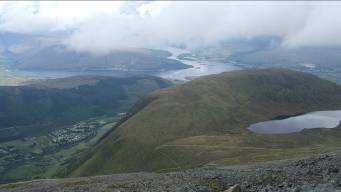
(200, 67)
(318, 119)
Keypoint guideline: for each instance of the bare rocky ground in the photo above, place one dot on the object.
(320, 173)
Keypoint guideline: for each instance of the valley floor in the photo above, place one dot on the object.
(316, 173)
(46, 155)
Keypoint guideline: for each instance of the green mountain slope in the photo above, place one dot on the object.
(68, 100)
(205, 120)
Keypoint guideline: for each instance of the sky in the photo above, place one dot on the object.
(103, 26)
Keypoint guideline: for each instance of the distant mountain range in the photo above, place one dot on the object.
(322, 61)
(269, 51)
(34, 52)
(49, 53)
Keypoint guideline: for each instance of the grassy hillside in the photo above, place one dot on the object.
(68, 100)
(45, 125)
(205, 121)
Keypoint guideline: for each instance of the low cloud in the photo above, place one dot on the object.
(160, 23)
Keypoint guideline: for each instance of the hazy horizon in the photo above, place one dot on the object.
(100, 27)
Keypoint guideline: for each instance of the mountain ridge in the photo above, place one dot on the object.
(216, 105)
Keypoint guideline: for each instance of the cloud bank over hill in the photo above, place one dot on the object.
(106, 26)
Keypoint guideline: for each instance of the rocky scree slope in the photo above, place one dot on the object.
(317, 173)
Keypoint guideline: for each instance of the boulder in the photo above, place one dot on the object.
(235, 188)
